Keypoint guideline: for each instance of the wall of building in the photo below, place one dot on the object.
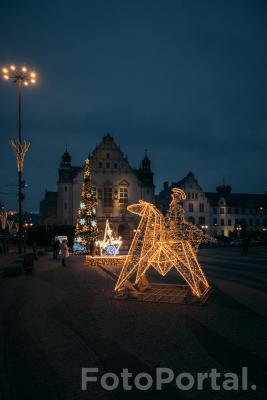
(221, 212)
(116, 186)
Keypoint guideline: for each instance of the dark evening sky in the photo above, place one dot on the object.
(185, 79)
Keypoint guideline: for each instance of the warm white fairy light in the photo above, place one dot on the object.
(162, 243)
(110, 245)
(20, 149)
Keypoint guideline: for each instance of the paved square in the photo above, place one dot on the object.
(62, 319)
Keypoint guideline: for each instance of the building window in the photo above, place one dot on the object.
(229, 211)
(107, 196)
(66, 188)
(115, 165)
(196, 195)
(222, 222)
(192, 196)
(65, 206)
(229, 222)
(107, 155)
(221, 210)
(201, 220)
(236, 221)
(188, 196)
(100, 164)
(123, 195)
(190, 207)
(107, 165)
(214, 210)
(214, 221)
(201, 207)
(236, 211)
(191, 219)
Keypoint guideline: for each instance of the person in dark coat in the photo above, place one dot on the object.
(56, 247)
(245, 245)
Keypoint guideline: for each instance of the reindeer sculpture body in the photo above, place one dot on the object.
(163, 243)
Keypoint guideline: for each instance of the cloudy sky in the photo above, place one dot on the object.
(185, 79)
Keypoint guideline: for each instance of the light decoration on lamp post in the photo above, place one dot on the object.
(3, 217)
(10, 224)
(163, 243)
(20, 149)
(22, 76)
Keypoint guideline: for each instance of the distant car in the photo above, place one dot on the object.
(236, 242)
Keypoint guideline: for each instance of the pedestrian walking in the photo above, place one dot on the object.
(64, 252)
(56, 247)
(245, 245)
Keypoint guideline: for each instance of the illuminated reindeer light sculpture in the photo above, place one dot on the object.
(164, 243)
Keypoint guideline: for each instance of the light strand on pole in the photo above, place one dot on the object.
(20, 149)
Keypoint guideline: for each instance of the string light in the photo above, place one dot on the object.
(3, 217)
(10, 224)
(86, 227)
(20, 149)
(105, 261)
(110, 245)
(163, 243)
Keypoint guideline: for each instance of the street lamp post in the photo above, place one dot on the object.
(21, 76)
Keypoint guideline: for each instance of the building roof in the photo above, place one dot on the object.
(243, 200)
(238, 199)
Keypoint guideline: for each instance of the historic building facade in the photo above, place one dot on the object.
(221, 212)
(116, 185)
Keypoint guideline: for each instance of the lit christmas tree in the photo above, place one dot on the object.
(86, 227)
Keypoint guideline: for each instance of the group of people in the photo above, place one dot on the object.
(62, 249)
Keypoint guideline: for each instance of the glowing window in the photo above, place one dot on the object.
(123, 199)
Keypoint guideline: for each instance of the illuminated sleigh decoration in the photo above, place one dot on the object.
(110, 245)
(163, 243)
(109, 251)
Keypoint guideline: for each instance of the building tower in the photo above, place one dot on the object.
(146, 176)
(66, 174)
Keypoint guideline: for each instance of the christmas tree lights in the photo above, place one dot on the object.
(164, 243)
(86, 227)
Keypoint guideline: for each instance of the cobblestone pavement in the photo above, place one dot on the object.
(62, 319)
